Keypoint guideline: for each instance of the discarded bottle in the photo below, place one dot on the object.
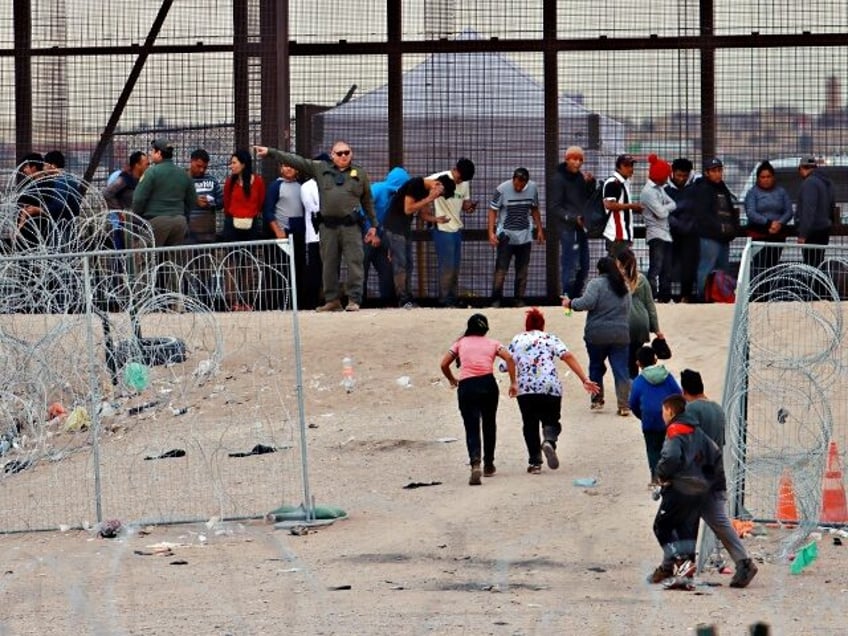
(568, 310)
(347, 374)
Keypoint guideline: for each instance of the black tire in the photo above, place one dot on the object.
(150, 351)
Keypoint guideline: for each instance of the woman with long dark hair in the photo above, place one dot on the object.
(244, 194)
(643, 310)
(477, 391)
(607, 332)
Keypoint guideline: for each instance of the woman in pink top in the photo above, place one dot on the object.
(477, 392)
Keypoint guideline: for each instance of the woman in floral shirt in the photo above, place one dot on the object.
(539, 389)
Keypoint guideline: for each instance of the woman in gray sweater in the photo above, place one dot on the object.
(607, 332)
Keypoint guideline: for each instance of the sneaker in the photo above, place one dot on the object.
(352, 306)
(489, 470)
(685, 568)
(660, 574)
(746, 570)
(596, 405)
(534, 469)
(409, 305)
(333, 305)
(550, 455)
(476, 474)
(623, 412)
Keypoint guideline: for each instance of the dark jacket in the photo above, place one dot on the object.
(814, 211)
(690, 460)
(701, 202)
(680, 221)
(568, 193)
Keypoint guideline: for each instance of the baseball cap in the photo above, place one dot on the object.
(162, 144)
(715, 162)
(807, 162)
(521, 173)
(624, 160)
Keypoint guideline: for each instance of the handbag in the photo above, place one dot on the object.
(242, 223)
(661, 348)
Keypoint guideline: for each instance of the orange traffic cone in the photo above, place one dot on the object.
(787, 512)
(834, 508)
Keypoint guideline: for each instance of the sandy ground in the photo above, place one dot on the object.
(521, 554)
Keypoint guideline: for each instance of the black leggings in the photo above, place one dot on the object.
(478, 402)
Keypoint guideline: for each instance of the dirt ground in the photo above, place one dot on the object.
(522, 554)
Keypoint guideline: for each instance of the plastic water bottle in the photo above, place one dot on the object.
(568, 310)
(347, 374)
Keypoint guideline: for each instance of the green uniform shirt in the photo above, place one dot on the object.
(341, 193)
(164, 190)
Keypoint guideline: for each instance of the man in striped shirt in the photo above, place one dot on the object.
(513, 220)
(618, 202)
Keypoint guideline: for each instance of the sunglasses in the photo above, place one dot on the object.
(342, 153)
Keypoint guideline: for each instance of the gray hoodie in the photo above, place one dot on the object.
(608, 320)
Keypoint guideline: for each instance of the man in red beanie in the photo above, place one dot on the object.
(657, 205)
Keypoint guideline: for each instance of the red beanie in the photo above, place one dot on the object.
(659, 171)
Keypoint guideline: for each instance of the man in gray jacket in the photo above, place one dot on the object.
(814, 211)
(709, 417)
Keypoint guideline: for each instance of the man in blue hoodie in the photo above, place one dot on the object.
(653, 385)
(378, 255)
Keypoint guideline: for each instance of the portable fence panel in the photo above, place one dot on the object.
(126, 407)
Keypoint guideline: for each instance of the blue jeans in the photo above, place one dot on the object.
(713, 255)
(617, 355)
(574, 261)
(378, 257)
(448, 254)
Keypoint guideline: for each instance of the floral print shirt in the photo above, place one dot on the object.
(535, 354)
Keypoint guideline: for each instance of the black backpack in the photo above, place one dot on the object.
(595, 215)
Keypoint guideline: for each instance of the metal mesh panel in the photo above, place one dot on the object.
(779, 17)
(741, 80)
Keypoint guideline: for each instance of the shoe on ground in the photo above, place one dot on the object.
(409, 305)
(476, 474)
(520, 303)
(534, 469)
(496, 304)
(489, 470)
(333, 305)
(623, 412)
(660, 574)
(596, 405)
(685, 568)
(550, 455)
(352, 306)
(746, 570)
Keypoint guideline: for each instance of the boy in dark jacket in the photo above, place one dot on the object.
(690, 466)
(650, 388)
